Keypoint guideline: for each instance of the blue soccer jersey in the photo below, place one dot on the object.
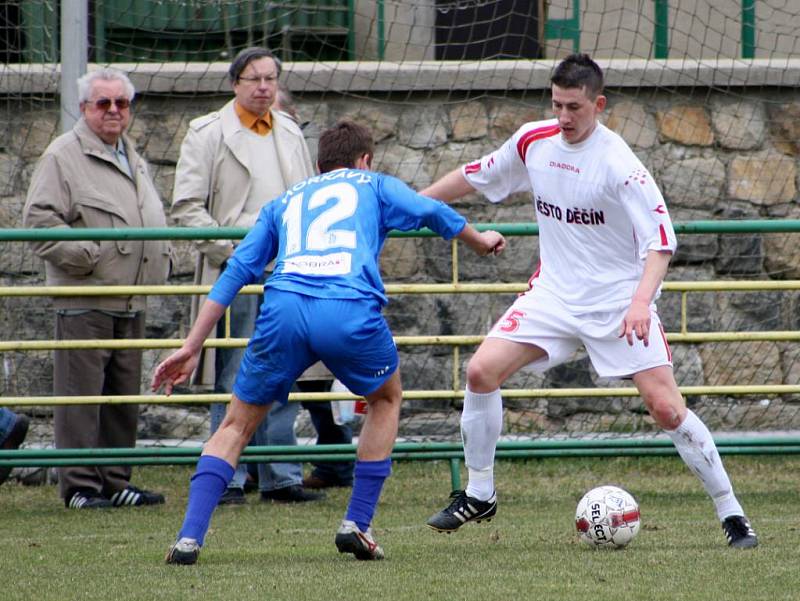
(326, 234)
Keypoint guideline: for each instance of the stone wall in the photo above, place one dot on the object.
(717, 154)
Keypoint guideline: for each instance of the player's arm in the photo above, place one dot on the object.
(483, 243)
(246, 265)
(179, 366)
(637, 318)
(450, 187)
(495, 175)
(405, 210)
(645, 206)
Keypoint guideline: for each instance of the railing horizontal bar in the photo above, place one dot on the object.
(56, 461)
(237, 233)
(150, 343)
(165, 290)
(391, 289)
(409, 395)
(403, 447)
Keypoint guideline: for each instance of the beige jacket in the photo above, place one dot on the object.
(78, 184)
(212, 181)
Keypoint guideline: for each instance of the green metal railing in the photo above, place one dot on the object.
(566, 29)
(452, 452)
(744, 226)
(661, 33)
(570, 28)
(442, 451)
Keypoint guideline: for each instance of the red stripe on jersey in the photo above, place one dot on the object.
(534, 276)
(666, 344)
(664, 240)
(472, 167)
(529, 137)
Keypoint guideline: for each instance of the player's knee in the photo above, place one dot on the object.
(386, 402)
(239, 425)
(480, 378)
(666, 414)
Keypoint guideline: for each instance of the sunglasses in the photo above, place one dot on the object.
(105, 103)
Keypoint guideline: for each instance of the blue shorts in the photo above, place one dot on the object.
(294, 331)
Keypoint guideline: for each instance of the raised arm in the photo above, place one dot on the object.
(450, 187)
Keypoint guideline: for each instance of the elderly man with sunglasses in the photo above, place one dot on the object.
(92, 177)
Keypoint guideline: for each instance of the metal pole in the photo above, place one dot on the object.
(74, 56)
(661, 41)
(381, 34)
(748, 28)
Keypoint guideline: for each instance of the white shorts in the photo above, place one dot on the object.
(539, 318)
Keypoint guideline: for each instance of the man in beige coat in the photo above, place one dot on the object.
(92, 177)
(231, 162)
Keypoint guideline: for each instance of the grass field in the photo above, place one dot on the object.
(529, 551)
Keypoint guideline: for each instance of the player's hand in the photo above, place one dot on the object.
(174, 370)
(636, 321)
(494, 242)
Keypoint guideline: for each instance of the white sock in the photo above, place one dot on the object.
(697, 449)
(481, 424)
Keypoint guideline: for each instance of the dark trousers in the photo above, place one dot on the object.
(328, 432)
(90, 372)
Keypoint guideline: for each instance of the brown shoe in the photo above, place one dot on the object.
(316, 483)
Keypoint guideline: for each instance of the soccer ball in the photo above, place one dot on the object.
(607, 516)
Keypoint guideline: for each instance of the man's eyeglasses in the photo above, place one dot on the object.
(268, 79)
(104, 104)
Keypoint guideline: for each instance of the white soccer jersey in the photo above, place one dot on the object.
(598, 208)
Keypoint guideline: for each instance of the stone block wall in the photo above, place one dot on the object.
(717, 154)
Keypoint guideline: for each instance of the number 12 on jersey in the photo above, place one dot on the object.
(320, 234)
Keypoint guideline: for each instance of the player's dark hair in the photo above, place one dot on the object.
(343, 144)
(247, 56)
(579, 71)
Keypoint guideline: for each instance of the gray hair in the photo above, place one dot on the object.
(107, 74)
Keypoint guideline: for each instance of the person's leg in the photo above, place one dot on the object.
(243, 312)
(693, 442)
(13, 429)
(279, 431)
(332, 473)
(481, 425)
(482, 416)
(217, 414)
(80, 372)
(7, 420)
(325, 474)
(373, 466)
(118, 423)
(354, 341)
(215, 468)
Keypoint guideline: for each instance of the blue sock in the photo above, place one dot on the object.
(369, 477)
(207, 485)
